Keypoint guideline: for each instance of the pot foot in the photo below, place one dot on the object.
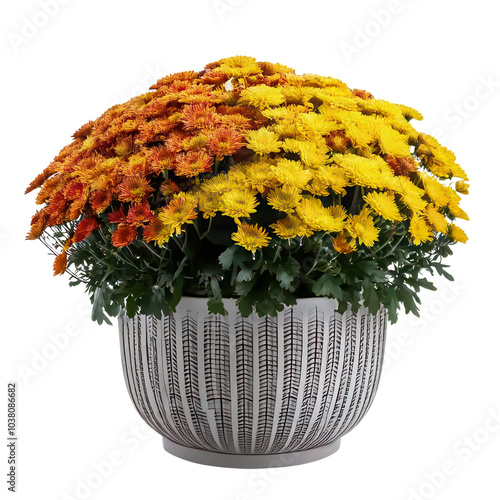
(247, 461)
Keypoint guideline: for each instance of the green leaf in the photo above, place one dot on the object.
(226, 257)
(328, 286)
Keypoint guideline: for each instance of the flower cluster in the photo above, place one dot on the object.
(267, 154)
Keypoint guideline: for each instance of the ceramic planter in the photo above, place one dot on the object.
(253, 392)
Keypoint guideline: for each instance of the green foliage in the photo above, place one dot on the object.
(149, 279)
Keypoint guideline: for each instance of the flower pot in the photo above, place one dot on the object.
(253, 392)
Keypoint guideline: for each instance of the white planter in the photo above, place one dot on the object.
(253, 392)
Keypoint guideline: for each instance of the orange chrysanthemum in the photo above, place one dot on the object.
(193, 163)
(134, 189)
(199, 116)
(60, 263)
(139, 214)
(178, 212)
(84, 228)
(123, 236)
(100, 200)
(224, 142)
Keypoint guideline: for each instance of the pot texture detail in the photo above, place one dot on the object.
(253, 392)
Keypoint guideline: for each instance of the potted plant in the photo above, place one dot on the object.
(254, 231)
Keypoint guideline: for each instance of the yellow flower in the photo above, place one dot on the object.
(333, 178)
(239, 66)
(209, 204)
(392, 142)
(343, 243)
(371, 172)
(317, 188)
(312, 154)
(383, 204)
(262, 96)
(251, 237)
(363, 228)
(291, 173)
(218, 185)
(457, 211)
(462, 187)
(338, 211)
(238, 203)
(285, 198)
(436, 218)
(457, 233)
(290, 227)
(263, 141)
(419, 230)
(317, 217)
(180, 210)
(435, 190)
(258, 176)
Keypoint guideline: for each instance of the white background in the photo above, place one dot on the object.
(440, 387)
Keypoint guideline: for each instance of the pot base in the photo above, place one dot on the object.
(246, 461)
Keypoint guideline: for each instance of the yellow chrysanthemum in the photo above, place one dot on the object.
(435, 190)
(457, 233)
(179, 211)
(436, 218)
(456, 211)
(291, 173)
(251, 237)
(332, 177)
(258, 176)
(240, 66)
(285, 199)
(209, 204)
(317, 217)
(392, 142)
(263, 141)
(419, 230)
(384, 205)
(262, 96)
(462, 187)
(312, 154)
(218, 185)
(291, 227)
(371, 172)
(238, 203)
(362, 227)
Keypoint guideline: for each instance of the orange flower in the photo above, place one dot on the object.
(343, 244)
(39, 180)
(152, 230)
(100, 200)
(117, 216)
(38, 225)
(84, 228)
(138, 214)
(60, 263)
(224, 142)
(193, 163)
(123, 236)
(198, 116)
(178, 212)
(134, 189)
